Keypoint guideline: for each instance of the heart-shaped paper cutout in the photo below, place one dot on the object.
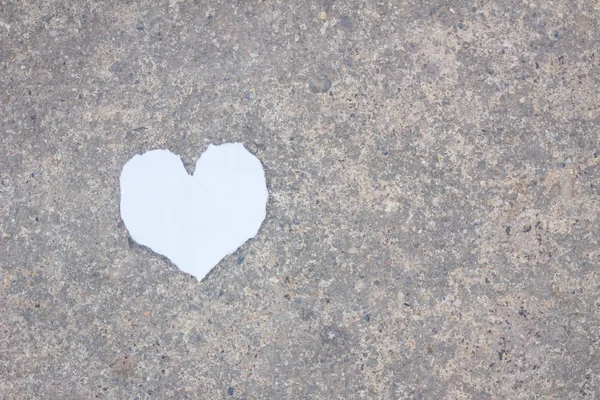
(194, 220)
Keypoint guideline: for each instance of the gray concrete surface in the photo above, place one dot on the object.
(433, 225)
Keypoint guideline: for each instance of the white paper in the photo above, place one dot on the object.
(196, 220)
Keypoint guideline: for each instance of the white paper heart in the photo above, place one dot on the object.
(196, 220)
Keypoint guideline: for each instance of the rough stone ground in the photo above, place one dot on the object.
(433, 226)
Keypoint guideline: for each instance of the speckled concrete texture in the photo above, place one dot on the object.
(433, 225)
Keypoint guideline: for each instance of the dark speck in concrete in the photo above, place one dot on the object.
(320, 84)
(230, 391)
(523, 313)
(346, 22)
(117, 66)
(501, 354)
(194, 307)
